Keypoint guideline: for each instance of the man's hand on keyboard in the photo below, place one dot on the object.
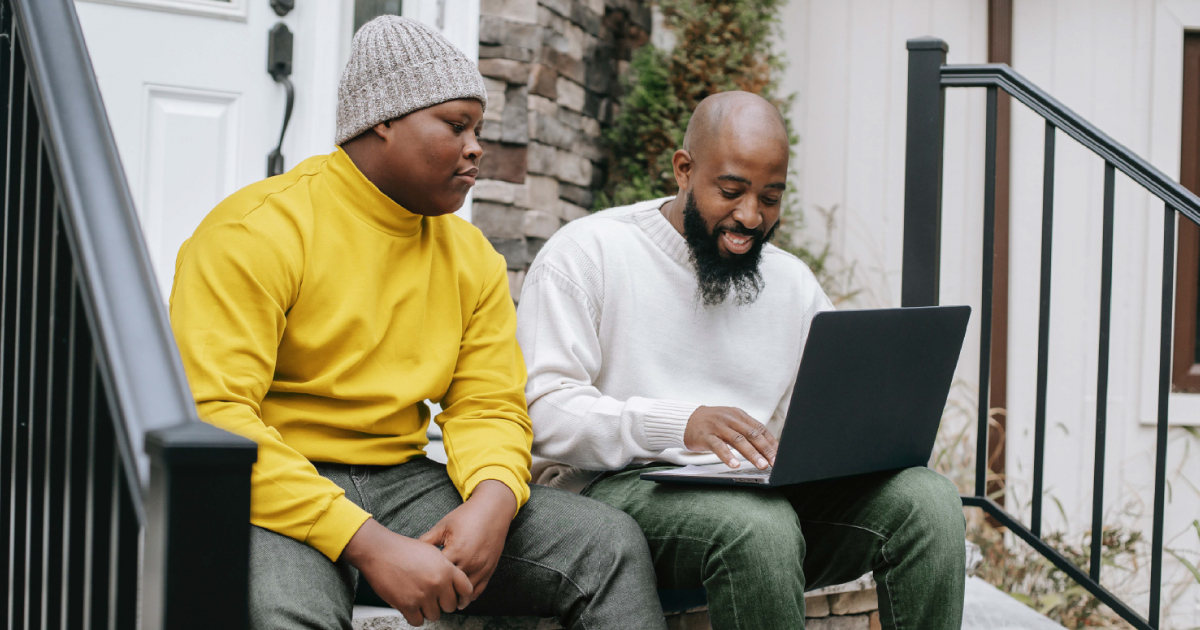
(720, 430)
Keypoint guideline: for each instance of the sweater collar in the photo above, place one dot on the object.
(363, 199)
(662, 233)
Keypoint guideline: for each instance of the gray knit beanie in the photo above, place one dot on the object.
(399, 65)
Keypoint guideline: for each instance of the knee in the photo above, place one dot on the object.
(761, 528)
(292, 585)
(931, 505)
(607, 530)
(626, 539)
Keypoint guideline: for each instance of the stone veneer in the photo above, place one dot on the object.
(551, 68)
(850, 606)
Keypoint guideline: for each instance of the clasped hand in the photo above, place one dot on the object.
(721, 430)
(422, 581)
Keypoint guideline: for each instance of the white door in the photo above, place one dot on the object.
(195, 112)
(191, 104)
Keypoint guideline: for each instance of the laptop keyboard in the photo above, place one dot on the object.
(748, 472)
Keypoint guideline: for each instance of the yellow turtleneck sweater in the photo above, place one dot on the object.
(315, 315)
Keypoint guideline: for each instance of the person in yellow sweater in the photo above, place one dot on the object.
(318, 310)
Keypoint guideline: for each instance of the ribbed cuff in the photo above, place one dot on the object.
(519, 487)
(665, 423)
(333, 531)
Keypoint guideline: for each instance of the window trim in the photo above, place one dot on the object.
(1185, 370)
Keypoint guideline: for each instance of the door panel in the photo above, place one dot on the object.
(191, 105)
(191, 160)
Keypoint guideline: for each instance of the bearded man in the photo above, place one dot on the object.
(670, 332)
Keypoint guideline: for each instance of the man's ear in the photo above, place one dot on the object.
(383, 129)
(682, 162)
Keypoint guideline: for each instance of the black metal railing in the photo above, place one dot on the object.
(928, 76)
(90, 378)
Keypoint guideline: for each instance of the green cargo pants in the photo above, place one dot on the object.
(757, 551)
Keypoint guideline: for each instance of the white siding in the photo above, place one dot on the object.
(1117, 63)
(1102, 59)
(848, 65)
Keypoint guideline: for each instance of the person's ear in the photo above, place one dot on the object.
(682, 163)
(383, 129)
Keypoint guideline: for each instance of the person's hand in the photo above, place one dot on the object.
(472, 535)
(720, 430)
(412, 576)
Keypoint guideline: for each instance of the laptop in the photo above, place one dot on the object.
(869, 397)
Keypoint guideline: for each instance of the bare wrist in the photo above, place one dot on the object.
(494, 494)
(360, 548)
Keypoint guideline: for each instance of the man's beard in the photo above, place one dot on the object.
(717, 275)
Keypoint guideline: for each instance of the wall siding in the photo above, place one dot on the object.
(1106, 60)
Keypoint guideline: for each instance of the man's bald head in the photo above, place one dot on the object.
(728, 116)
(732, 173)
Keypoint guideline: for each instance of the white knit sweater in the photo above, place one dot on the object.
(620, 352)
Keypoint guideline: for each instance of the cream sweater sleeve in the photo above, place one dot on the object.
(573, 421)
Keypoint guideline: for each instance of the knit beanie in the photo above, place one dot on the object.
(399, 65)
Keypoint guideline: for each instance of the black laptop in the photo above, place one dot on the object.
(869, 397)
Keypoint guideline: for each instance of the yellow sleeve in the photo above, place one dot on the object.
(485, 424)
(233, 286)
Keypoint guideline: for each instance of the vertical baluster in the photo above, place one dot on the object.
(125, 572)
(82, 420)
(122, 565)
(1166, 328)
(43, 349)
(39, 353)
(74, 391)
(1039, 425)
(1102, 372)
(116, 482)
(13, 125)
(22, 325)
(88, 542)
(57, 396)
(101, 503)
(985, 309)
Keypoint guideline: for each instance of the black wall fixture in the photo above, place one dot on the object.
(283, 7)
(279, 66)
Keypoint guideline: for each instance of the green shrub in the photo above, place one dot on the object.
(720, 46)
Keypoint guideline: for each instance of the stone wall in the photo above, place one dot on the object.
(552, 70)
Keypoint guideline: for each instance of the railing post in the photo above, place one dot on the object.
(197, 555)
(923, 172)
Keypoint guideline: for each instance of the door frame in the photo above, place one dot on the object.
(1171, 21)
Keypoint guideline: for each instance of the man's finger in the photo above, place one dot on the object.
(479, 588)
(722, 450)
(746, 448)
(462, 588)
(757, 432)
(481, 578)
(762, 440)
(430, 609)
(413, 616)
(435, 536)
(447, 598)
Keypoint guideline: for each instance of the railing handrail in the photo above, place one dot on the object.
(928, 77)
(1023, 90)
(134, 345)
